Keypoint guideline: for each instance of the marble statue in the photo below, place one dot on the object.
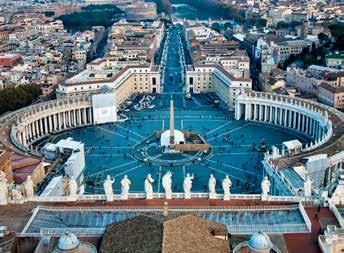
(167, 184)
(72, 187)
(17, 196)
(148, 186)
(226, 185)
(212, 187)
(108, 188)
(28, 186)
(3, 189)
(187, 185)
(307, 187)
(275, 152)
(125, 185)
(265, 188)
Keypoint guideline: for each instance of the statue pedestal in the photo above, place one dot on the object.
(212, 195)
(149, 195)
(168, 195)
(226, 197)
(17, 201)
(187, 195)
(109, 198)
(124, 196)
(265, 197)
(3, 201)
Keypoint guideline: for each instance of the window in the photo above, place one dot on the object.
(191, 80)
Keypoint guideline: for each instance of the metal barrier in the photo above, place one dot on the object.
(175, 195)
(305, 217)
(337, 214)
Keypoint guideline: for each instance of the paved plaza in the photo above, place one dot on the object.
(109, 146)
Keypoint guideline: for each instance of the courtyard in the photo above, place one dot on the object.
(234, 145)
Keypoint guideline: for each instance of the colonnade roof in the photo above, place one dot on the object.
(334, 145)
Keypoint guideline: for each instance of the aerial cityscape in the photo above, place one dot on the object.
(171, 126)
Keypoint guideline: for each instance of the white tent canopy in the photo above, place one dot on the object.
(104, 108)
(293, 146)
(165, 138)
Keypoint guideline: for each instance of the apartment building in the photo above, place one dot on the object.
(331, 95)
(215, 78)
(124, 81)
(135, 41)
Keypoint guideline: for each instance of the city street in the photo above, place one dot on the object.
(173, 72)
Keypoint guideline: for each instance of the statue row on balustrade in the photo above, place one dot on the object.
(187, 186)
(14, 193)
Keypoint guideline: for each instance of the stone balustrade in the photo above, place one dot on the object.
(175, 195)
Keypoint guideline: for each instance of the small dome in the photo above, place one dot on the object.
(260, 241)
(68, 242)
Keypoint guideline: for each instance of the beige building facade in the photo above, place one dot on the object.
(214, 78)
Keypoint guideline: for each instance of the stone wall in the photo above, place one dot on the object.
(5, 164)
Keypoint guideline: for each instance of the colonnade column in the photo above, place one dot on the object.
(265, 113)
(50, 120)
(303, 127)
(45, 125)
(41, 130)
(26, 137)
(69, 119)
(84, 115)
(90, 114)
(270, 114)
(285, 117)
(37, 128)
(299, 115)
(314, 128)
(80, 117)
(289, 118)
(74, 117)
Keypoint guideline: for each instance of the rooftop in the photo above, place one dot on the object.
(140, 234)
(332, 88)
(191, 234)
(99, 76)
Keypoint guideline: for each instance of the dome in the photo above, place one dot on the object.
(68, 242)
(165, 138)
(260, 241)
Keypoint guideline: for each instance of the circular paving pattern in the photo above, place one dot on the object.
(149, 152)
(119, 149)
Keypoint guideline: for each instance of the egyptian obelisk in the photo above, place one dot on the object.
(171, 123)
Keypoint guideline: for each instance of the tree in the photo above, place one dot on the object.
(49, 13)
(14, 98)
(337, 31)
(323, 37)
(91, 15)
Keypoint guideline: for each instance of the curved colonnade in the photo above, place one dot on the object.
(310, 118)
(34, 122)
(37, 121)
